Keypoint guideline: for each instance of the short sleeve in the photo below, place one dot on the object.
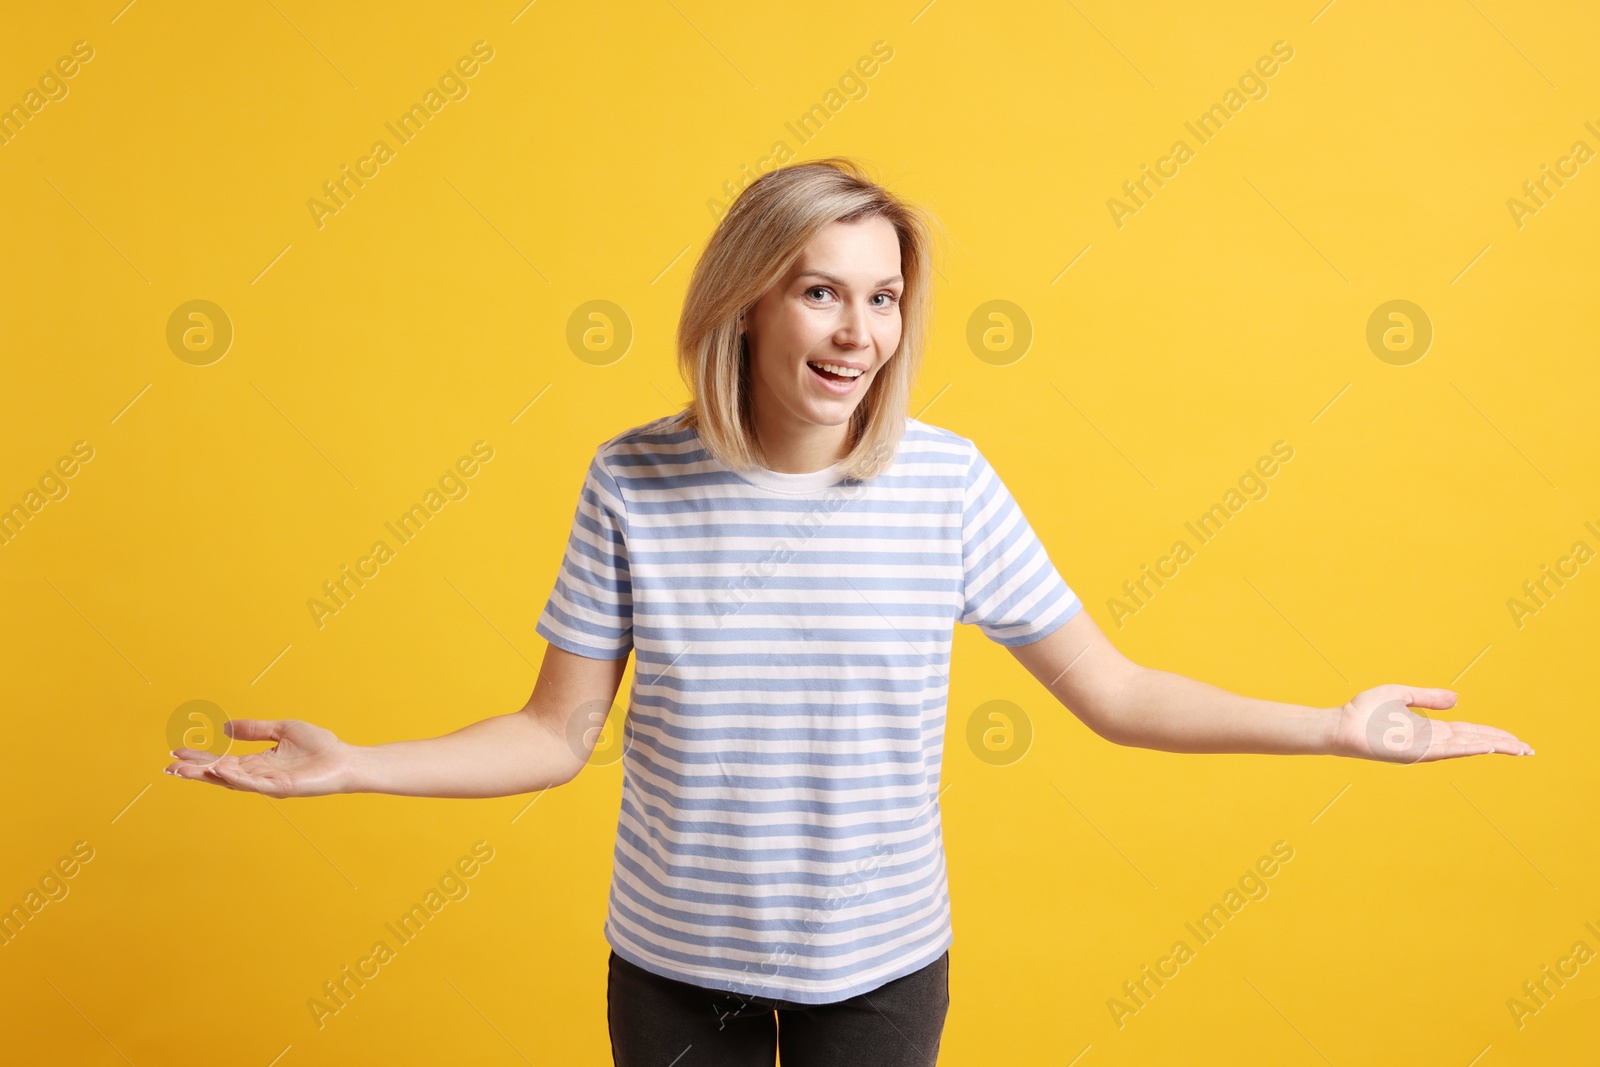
(1011, 589)
(590, 610)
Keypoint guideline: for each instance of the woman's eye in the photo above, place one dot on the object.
(893, 298)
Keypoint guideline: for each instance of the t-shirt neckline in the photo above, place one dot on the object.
(786, 482)
(781, 481)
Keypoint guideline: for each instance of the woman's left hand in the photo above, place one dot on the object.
(1378, 724)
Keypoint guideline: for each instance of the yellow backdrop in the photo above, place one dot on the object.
(277, 272)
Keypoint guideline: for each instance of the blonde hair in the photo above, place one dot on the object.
(753, 247)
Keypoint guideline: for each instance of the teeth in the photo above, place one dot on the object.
(848, 372)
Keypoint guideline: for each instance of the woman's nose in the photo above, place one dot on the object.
(853, 326)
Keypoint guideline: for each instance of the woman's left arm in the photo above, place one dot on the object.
(1129, 704)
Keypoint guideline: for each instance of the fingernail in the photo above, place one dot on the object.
(173, 753)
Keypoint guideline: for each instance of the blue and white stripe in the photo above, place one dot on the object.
(779, 834)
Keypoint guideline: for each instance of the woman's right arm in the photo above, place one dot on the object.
(545, 744)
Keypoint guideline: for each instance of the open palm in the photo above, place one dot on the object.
(306, 761)
(1379, 724)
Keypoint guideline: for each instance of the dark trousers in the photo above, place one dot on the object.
(659, 1022)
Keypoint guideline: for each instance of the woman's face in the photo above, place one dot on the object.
(839, 305)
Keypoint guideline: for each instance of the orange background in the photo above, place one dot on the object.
(373, 346)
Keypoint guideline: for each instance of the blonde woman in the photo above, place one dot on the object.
(786, 558)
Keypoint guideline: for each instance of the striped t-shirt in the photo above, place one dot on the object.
(779, 833)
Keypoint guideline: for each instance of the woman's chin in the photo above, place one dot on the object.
(830, 411)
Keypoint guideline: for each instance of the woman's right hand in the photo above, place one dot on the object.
(306, 761)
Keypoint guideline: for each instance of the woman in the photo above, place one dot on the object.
(787, 558)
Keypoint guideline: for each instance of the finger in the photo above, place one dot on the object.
(198, 755)
(1454, 749)
(211, 774)
(203, 763)
(196, 764)
(255, 729)
(196, 771)
(1477, 731)
(1436, 699)
(236, 777)
(239, 774)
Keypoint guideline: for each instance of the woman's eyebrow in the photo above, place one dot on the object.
(825, 276)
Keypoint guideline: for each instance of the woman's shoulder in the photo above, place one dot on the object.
(916, 429)
(666, 433)
(650, 448)
(930, 438)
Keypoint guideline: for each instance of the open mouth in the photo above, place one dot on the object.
(834, 374)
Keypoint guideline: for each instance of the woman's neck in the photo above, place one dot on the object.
(803, 449)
